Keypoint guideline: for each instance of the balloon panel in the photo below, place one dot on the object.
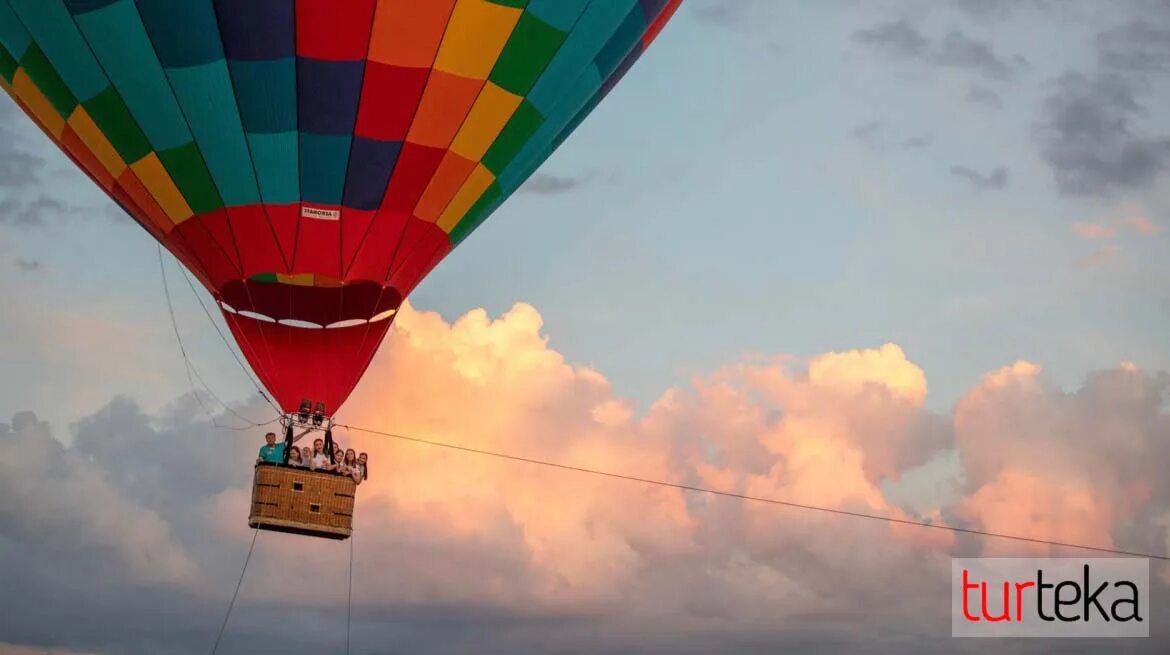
(310, 161)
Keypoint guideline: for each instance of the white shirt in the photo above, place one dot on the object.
(320, 460)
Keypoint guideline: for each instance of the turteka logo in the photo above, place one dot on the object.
(1081, 604)
(1058, 597)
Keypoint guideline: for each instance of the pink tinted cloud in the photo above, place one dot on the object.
(17, 649)
(440, 526)
(1142, 225)
(1049, 464)
(1100, 257)
(1086, 230)
(1128, 217)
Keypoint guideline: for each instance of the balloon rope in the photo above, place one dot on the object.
(192, 371)
(228, 345)
(758, 499)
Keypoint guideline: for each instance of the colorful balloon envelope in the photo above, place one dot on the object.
(310, 161)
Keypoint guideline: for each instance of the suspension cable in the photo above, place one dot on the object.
(222, 337)
(192, 371)
(758, 499)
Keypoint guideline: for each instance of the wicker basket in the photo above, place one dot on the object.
(301, 501)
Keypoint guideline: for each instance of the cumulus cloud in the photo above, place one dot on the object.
(50, 495)
(1066, 465)
(513, 557)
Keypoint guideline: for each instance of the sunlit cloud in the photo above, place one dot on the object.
(440, 528)
(1086, 230)
(1142, 225)
(17, 649)
(1099, 257)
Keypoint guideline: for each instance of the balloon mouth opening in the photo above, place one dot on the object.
(336, 306)
(292, 322)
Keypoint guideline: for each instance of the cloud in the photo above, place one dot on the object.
(49, 495)
(726, 14)
(454, 549)
(21, 170)
(866, 131)
(995, 180)
(871, 133)
(1087, 230)
(548, 185)
(895, 38)
(1088, 136)
(979, 95)
(1136, 47)
(24, 202)
(756, 19)
(1099, 257)
(998, 9)
(1141, 224)
(34, 213)
(18, 165)
(1128, 218)
(885, 367)
(601, 542)
(918, 142)
(956, 50)
(1066, 465)
(17, 649)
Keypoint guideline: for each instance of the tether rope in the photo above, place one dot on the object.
(239, 583)
(349, 596)
(758, 499)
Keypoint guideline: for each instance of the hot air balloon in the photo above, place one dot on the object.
(310, 161)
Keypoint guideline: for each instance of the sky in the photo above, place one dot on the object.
(903, 257)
